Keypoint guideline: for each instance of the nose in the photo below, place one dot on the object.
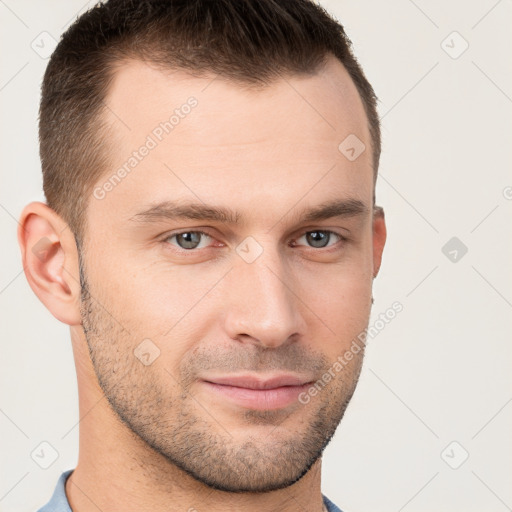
(262, 306)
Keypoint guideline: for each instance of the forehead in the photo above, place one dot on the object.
(176, 135)
(143, 93)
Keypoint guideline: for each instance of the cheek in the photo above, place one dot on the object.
(169, 304)
(159, 291)
(340, 298)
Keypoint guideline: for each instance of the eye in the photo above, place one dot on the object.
(190, 239)
(319, 239)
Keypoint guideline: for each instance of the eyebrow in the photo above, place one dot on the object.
(171, 210)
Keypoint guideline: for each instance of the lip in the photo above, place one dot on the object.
(258, 393)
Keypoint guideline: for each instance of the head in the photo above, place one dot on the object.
(210, 169)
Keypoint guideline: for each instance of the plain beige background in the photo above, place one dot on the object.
(429, 425)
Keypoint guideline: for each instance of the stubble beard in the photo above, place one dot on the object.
(176, 427)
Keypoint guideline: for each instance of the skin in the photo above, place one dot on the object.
(155, 437)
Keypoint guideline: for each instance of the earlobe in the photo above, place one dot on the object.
(50, 261)
(379, 238)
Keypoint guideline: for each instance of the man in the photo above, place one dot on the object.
(210, 236)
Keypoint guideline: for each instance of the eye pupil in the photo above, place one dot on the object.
(188, 240)
(318, 238)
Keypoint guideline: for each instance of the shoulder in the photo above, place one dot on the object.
(59, 501)
(331, 507)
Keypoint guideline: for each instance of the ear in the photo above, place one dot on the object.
(379, 238)
(50, 261)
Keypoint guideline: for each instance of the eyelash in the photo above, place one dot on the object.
(327, 248)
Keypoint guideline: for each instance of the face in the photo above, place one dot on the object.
(229, 267)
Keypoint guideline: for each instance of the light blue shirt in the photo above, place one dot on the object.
(59, 501)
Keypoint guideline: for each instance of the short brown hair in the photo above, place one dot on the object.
(246, 41)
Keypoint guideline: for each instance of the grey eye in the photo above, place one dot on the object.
(317, 238)
(189, 239)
